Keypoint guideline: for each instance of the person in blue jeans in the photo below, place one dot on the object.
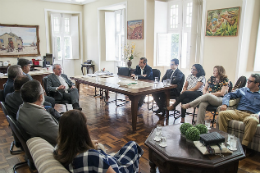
(78, 153)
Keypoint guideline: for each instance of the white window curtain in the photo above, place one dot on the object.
(65, 36)
(115, 35)
(196, 30)
(257, 53)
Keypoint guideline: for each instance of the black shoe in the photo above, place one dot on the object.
(76, 106)
(158, 111)
(244, 148)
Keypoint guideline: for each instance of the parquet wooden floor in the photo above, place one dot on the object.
(110, 125)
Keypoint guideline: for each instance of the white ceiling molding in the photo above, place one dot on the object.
(78, 2)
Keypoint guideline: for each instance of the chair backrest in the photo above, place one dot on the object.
(21, 134)
(241, 82)
(230, 86)
(44, 83)
(2, 96)
(156, 73)
(4, 109)
(124, 71)
(182, 81)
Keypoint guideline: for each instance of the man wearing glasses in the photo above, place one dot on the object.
(175, 75)
(248, 108)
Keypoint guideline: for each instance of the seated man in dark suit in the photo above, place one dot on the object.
(12, 71)
(32, 116)
(62, 88)
(143, 71)
(175, 75)
(14, 100)
(25, 66)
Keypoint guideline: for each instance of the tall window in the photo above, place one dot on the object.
(173, 35)
(115, 35)
(65, 41)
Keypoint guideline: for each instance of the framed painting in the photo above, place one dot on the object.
(135, 29)
(223, 22)
(19, 40)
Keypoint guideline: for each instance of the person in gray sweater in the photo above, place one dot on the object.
(32, 116)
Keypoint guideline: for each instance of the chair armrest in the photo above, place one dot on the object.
(234, 102)
(42, 154)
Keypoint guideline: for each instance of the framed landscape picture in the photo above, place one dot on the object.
(135, 29)
(19, 40)
(223, 22)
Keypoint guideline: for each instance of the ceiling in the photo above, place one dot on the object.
(79, 2)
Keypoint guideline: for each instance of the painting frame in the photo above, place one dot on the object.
(137, 25)
(20, 41)
(223, 22)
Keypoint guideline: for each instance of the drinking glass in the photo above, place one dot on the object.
(163, 142)
(233, 143)
(156, 80)
(136, 77)
(159, 128)
(207, 124)
(164, 82)
(168, 81)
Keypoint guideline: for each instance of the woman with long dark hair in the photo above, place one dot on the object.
(213, 92)
(192, 88)
(78, 153)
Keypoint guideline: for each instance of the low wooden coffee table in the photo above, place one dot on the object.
(181, 156)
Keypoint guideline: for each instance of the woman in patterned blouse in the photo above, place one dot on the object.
(216, 87)
(78, 153)
(192, 88)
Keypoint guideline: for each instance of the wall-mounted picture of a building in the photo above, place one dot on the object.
(18, 41)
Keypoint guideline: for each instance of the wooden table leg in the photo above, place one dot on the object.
(167, 94)
(152, 167)
(134, 110)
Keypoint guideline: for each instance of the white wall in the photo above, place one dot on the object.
(135, 10)
(221, 50)
(31, 12)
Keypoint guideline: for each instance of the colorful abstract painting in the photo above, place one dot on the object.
(223, 22)
(135, 29)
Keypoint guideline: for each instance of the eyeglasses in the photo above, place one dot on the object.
(250, 81)
(172, 64)
(193, 69)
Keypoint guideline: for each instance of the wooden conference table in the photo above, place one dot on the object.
(133, 91)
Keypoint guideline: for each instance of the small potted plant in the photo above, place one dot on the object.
(192, 134)
(202, 128)
(184, 127)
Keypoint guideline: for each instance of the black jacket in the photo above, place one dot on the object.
(176, 78)
(147, 70)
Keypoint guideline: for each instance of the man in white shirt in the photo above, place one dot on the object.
(61, 88)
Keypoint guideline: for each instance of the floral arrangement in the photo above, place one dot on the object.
(184, 127)
(202, 128)
(129, 51)
(193, 134)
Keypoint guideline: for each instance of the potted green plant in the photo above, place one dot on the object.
(184, 127)
(202, 128)
(192, 134)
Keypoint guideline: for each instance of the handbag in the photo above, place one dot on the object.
(213, 138)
